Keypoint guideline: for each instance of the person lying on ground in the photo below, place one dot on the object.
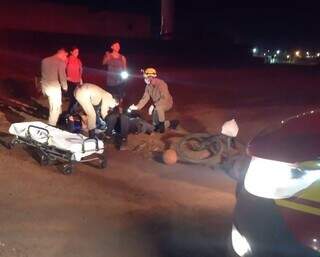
(118, 125)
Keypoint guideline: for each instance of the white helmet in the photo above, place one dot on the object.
(230, 128)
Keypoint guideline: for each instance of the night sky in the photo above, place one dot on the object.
(270, 23)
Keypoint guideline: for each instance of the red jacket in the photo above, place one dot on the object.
(74, 69)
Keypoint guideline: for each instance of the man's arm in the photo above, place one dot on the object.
(143, 101)
(80, 68)
(81, 71)
(164, 91)
(124, 60)
(62, 75)
(106, 58)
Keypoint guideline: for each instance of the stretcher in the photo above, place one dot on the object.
(54, 145)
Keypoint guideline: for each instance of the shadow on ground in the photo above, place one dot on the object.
(184, 232)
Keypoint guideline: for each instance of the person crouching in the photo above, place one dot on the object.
(91, 96)
(156, 90)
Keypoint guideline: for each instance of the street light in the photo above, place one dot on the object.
(278, 51)
(254, 50)
(297, 53)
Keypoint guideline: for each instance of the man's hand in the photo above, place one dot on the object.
(64, 87)
(114, 103)
(151, 108)
(132, 107)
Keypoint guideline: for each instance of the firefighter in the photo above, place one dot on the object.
(91, 97)
(53, 77)
(157, 90)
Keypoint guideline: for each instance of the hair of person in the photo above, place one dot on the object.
(61, 50)
(74, 48)
(115, 42)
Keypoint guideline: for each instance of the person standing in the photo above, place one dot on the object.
(53, 77)
(116, 63)
(74, 77)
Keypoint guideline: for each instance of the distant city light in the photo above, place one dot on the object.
(285, 55)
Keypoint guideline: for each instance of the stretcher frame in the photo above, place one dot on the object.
(49, 154)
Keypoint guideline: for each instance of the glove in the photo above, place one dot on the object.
(132, 107)
(230, 128)
(151, 108)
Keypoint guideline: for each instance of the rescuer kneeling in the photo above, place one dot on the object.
(158, 91)
(90, 97)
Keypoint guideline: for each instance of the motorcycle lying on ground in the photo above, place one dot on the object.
(211, 149)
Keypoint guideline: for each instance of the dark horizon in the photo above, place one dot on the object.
(275, 25)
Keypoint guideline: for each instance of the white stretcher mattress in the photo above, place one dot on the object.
(61, 139)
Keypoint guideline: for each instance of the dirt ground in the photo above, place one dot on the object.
(138, 206)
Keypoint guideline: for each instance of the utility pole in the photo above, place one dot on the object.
(167, 19)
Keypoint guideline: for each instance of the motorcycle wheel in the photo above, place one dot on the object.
(200, 148)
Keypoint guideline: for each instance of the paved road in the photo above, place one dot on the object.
(140, 207)
(136, 207)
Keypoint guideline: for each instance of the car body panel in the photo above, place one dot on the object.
(287, 227)
(296, 140)
(302, 215)
(262, 222)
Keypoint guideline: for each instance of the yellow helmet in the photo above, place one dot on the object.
(150, 72)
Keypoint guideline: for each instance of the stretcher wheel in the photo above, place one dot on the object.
(67, 169)
(11, 144)
(103, 163)
(44, 160)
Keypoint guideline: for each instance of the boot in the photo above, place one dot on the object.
(123, 144)
(174, 124)
(108, 137)
(160, 127)
(92, 133)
